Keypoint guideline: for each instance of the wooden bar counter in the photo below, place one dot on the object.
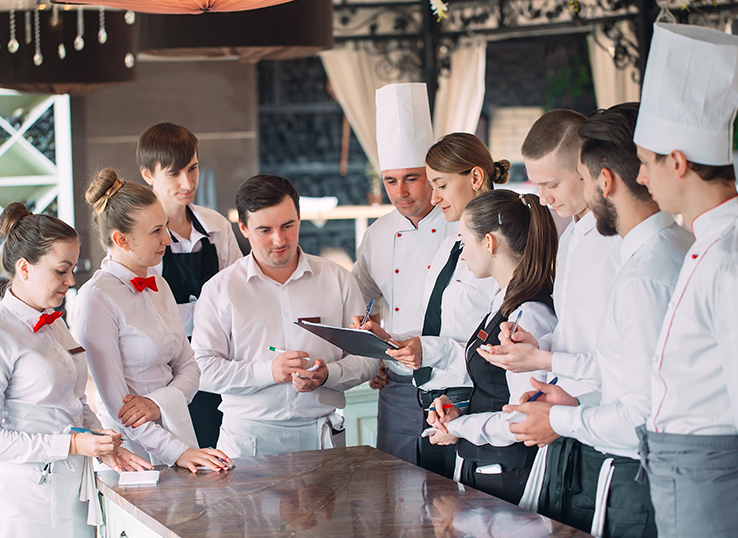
(343, 492)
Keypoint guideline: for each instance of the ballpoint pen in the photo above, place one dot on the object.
(368, 311)
(85, 430)
(449, 406)
(538, 394)
(515, 325)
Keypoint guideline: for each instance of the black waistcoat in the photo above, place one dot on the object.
(491, 392)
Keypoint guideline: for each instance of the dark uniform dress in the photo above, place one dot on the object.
(186, 272)
(490, 394)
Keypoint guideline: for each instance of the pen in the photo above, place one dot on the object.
(85, 430)
(368, 311)
(538, 394)
(449, 406)
(515, 325)
(276, 349)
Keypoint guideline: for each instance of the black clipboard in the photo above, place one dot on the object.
(352, 341)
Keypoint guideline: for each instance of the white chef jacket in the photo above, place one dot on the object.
(135, 345)
(392, 262)
(42, 395)
(241, 312)
(584, 278)
(494, 428)
(695, 377)
(651, 256)
(220, 233)
(464, 303)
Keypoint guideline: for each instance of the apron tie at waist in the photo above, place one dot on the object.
(533, 487)
(643, 453)
(333, 423)
(88, 492)
(603, 490)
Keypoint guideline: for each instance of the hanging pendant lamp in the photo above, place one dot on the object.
(177, 7)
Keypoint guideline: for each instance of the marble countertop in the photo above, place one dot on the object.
(356, 491)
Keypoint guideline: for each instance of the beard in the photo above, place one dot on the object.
(606, 215)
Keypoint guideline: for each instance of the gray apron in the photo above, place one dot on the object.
(399, 418)
(694, 483)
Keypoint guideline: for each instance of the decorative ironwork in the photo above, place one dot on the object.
(395, 29)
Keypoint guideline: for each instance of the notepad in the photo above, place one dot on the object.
(139, 478)
(352, 341)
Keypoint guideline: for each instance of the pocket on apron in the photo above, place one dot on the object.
(236, 446)
(22, 498)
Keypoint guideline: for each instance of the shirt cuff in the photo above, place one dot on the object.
(263, 375)
(563, 364)
(563, 417)
(335, 371)
(59, 447)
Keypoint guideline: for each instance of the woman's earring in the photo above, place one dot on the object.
(25, 277)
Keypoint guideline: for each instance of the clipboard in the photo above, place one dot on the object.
(352, 341)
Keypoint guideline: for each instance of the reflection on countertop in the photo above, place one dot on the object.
(357, 491)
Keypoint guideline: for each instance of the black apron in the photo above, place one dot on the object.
(186, 273)
(490, 394)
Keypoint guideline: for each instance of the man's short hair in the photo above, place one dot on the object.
(608, 143)
(708, 172)
(557, 130)
(169, 145)
(262, 191)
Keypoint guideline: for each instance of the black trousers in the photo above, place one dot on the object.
(438, 458)
(206, 418)
(570, 490)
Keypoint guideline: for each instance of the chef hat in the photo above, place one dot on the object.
(690, 94)
(404, 131)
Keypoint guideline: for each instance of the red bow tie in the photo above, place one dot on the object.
(142, 283)
(46, 319)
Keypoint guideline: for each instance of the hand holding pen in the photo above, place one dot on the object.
(548, 393)
(94, 444)
(368, 312)
(286, 363)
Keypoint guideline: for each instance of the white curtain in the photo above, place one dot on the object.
(354, 79)
(612, 85)
(460, 94)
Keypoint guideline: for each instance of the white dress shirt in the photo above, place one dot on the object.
(494, 428)
(42, 395)
(585, 273)
(464, 303)
(42, 386)
(391, 264)
(241, 312)
(135, 345)
(651, 256)
(695, 377)
(220, 233)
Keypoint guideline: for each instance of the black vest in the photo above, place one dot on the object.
(491, 392)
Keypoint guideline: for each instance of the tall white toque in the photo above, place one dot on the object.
(404, 131)
(690, 94)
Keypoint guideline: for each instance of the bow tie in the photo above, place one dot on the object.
(46, 319)
(142, 283)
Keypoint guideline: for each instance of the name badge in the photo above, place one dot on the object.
(76, 350)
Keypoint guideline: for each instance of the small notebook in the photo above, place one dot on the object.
(352, 341)
(139, 478)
